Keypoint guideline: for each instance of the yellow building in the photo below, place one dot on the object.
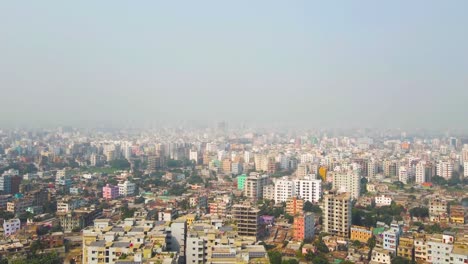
(457, 214)
(294, 206)
(405, 247)
(361, 233)
(190, 218)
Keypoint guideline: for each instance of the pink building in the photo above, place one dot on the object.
(110, 192)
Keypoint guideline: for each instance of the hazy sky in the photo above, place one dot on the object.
(316, 63)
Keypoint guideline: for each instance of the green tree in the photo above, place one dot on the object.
(120, 164)
(357, 243)
(290, 261)
(400, 260)
(371, 242)
(290, 218)
(275, 257)
(437, 180)
(308, 206)
(419, 212)
(319, 260)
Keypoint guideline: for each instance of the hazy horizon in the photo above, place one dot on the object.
(392, 64)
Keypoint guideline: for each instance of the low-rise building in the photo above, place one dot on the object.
(383, 200)
(11, 226)
(361, 233)
(380, 256)
(406, 247)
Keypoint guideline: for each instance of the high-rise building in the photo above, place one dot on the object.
(193, 156)
(465, 153)
(391, 237)
(178, 238)
(303, 226)
(337, 214)
(309, 189)
(284, 189)
(9, 184)
(403, 174)
(372, 169)
(349, 182)
(302, 170)
(236, 168)
(153, 162)
(253, 186)
(445, 169)
(465, 169)
(248, 220)
(294, 206)
(241, 181)
(420, 172)
(226, 165)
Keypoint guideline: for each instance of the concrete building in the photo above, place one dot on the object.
(383, 200)
(337, 214)
(294, 206)
(440, 247)
(420, 176)
(303, 227)
(349, 182)
(247, 218)
(236, 168)
(78, 219)
(403, 175)
(438, 209)
(269, 192)
(241, 181)
(110, 192)
(360, 233)
(406, 247)
(420, 248)
(284, 189)
(126, 188)
(380, 256)
(391, 238)
(11, 226)
(444, 169)
(309, 189)
(128, 241)
(178, 238)
(253, 186)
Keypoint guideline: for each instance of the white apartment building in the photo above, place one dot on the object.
(444, 169)
(380, 256)
(349, 182)
(253, 186)
(11, 226)
(127, 188)
(269, 192)
(403, 174)
(308, 189)
(420, 172)
(383, 201)
(465, 169)
(439, 248)
(391, 237)
(193, 156)
(284, 189)
(372, 169)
